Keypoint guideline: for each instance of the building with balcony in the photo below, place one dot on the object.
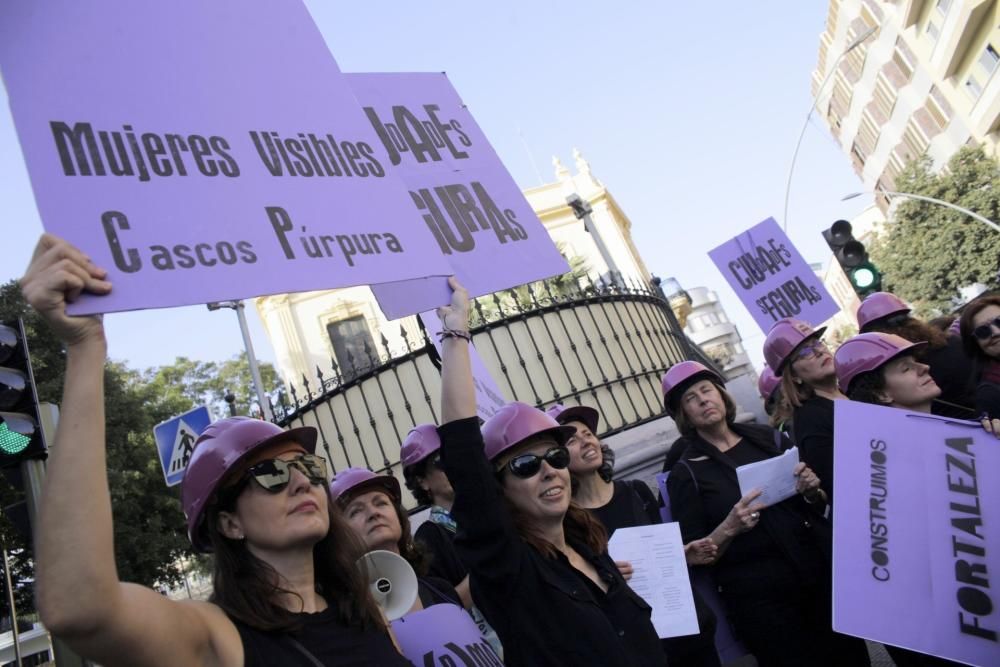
(709, 328)
(926, 82)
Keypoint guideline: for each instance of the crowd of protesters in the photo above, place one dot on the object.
(521, 509)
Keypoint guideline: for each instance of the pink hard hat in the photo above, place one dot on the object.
(350, 481)
(218, 450)
(422, 441)
(879, 305)
(767, 383)
(577, 413)
(784, 338)
(681, 376)
(867, 352)
(516, 422)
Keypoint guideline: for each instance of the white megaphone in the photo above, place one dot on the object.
(392, 581)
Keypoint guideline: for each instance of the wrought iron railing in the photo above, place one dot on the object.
(557, 341)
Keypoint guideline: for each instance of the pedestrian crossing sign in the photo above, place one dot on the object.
(175, 440)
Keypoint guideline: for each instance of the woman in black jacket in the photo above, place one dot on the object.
(773, 568)
(627, 503)
(538, 566)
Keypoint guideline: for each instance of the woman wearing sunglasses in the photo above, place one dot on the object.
(627, 503)
(372, 506)
(980, 327)
(950, 367)
(538, 565)
(286, 589)
(773, 568)
(809, 383)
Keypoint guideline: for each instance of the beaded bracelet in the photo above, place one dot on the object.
(454, 333)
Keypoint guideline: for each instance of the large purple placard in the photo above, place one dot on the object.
(771, 278)
(443, 634)
(203, 151)
(917, 532)
(472, 209)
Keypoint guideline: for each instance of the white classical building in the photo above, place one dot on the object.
(309, 330)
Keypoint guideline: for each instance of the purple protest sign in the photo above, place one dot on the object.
(472, 209)
(771, 278)
(443, 634)
(203, 151)
(916, 558)
(489, 398)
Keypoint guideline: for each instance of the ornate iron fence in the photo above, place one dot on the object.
(606, 346)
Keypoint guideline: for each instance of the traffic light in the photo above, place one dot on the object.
(850, 253)
(20, 433)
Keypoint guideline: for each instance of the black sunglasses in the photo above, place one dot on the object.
(984, 331)
(526, 466)
(274, 474)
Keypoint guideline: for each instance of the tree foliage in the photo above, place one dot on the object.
(931, 251)
(149, 528)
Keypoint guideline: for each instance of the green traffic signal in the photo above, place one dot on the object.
(12, 442)
(866, 278)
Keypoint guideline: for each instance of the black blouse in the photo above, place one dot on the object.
(544, 610)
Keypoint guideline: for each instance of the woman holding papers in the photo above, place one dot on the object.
(538, 566)
(809, 383)
(624, 504)
(286, 588)
(883, 369)
(773, 570)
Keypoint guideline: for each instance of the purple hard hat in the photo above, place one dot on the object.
(768, 383)
(879, 305)
(785, 336)
(866, 352)
(577, 413)
(362, 479)
(422, 441)
(681, 376)
(516, 422)
(218, 450)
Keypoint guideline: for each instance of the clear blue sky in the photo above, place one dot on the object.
(688, 112)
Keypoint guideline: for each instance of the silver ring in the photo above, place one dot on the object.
(755, 515)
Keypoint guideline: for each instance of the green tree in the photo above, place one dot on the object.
(208, 382)
(930, 251)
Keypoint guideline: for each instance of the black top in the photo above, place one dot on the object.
(433, 590)
(791, 541)
(440, 544)
(632, 504)
(988, 400)
(544, 610)
(330, 642)
(813, 433)
(952, 370)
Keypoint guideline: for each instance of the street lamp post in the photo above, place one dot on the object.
(819, 91)
(258, 384)
(931, 200)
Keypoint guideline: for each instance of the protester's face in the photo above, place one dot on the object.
(295, 516)
(435, 482)
(373, 518)
(703, 404)
(543, 497)
(985, 317)
(908, 383)
(584, 450)
(812, 363)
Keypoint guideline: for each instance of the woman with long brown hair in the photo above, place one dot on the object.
(538, 565)
(980, 327)
(287, 590)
